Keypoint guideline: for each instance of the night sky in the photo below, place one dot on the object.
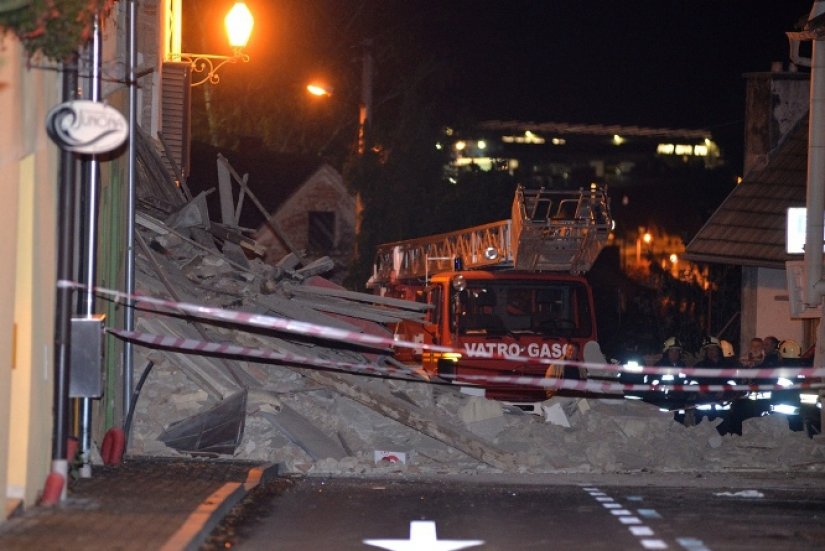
(664, 63)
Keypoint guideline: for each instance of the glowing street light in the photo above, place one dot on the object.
(319, 89)
(239, 23)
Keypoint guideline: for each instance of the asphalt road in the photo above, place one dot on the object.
(444, 514)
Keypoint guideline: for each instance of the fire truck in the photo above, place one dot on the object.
(502, 291)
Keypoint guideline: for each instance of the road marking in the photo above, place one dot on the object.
(629, 520)
(422, 536)
(634, 523)
(692, 544)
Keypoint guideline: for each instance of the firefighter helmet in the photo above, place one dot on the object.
(710, 341)
(789, 349)
(672, 342)
(727, 348)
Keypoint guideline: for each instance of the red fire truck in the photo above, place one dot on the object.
(501, 291)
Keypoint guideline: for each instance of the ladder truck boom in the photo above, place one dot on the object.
(550, 230)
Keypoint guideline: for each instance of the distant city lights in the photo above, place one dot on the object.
(528, 137)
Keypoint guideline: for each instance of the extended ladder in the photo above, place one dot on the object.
(549, 231)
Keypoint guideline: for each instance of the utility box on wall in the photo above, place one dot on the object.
(86, 375)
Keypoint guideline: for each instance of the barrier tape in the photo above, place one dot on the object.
(192, 345)
(622, 388)
(331, 333)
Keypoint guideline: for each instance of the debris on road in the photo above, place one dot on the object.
(320, 421)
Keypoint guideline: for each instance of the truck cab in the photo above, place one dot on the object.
(506, 297)
(496, 320)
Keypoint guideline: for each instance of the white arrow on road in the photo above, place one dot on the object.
(423, 538)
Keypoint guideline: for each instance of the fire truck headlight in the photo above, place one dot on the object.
(490, 253)
(451, 356)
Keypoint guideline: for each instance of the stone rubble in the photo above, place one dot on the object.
(571, 435)
(605, 436)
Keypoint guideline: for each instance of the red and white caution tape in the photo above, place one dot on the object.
(225, 349)
(331, 333)
(197, 346)
(602, 387)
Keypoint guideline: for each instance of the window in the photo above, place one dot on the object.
(532, 307)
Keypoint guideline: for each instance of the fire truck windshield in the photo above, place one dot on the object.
(519, 307)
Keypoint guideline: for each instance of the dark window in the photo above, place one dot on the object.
(321, 231)
(545, 308)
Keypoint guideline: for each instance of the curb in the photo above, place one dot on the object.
(200, 523)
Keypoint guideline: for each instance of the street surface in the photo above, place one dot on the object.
(679, 512)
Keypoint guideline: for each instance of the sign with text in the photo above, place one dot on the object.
(87, 127)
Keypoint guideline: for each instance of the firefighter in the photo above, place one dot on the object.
(771, 346)
(671, 357)
(671, 354)
(755, 355)
(789, 352)
(711, 354)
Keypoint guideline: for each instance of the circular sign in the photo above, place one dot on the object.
(88, 127)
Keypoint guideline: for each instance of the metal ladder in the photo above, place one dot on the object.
(550, 230)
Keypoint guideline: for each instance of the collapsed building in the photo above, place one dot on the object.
(319, 404)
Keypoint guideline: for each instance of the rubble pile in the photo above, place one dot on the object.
(319, 421)
(603, 436)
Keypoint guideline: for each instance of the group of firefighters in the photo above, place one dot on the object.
(732, 407)
(715, 353)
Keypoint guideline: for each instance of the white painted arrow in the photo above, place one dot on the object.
(423, 538)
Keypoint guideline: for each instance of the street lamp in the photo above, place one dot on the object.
(238, 23)
(319, 90)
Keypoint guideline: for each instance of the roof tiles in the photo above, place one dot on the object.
(748, 228)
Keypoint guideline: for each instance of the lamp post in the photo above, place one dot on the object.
(239, 23)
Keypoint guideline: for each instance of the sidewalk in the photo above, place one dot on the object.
(145, 503)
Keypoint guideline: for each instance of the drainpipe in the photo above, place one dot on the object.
(63, 321)
(815, 200)
(86, 308)
(129, 322)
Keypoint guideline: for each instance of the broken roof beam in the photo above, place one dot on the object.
(356, 296)
(355, 310)
(268, 220)
(160, 228)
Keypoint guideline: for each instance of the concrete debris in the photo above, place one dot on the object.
(320, 422)
(480, 409)
(554, 414)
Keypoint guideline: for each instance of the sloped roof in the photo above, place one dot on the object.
(748, 228)
(273, 177)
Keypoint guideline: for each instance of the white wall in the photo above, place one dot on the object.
(773, 315)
